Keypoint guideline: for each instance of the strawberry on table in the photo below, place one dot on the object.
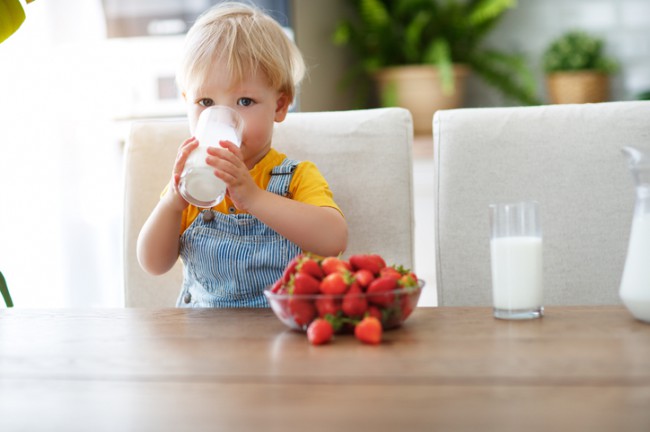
(320, 331)
(369, 330)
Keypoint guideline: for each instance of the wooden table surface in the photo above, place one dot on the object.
(447, 368)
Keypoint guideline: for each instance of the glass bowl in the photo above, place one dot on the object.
(392, 308)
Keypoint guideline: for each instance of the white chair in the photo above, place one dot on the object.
(365, 155)
(568, 158)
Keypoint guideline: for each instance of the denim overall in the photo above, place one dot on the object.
(230, 258)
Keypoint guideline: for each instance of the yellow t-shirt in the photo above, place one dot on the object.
(307, 185)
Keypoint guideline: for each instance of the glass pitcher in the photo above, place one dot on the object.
(635, 284)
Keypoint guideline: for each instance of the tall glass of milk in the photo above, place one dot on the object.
(635, 283)
(198, 184)
(516, 255)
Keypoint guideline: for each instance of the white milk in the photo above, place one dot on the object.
(635, 285)
(516, 272)
(198, 181)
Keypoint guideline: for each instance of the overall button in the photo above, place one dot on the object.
(208, 216)
(187, 298)
(232, 210)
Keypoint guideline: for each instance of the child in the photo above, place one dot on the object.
(275, 208)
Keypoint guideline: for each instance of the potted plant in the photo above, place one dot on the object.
(577, 70)
(434, 44)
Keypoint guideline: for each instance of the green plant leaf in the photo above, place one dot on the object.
(12, 16)
(439, 55)
(4, 290)
(487, 10)
(507, 72)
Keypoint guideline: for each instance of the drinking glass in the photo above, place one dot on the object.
(198, 184)
(516, 255)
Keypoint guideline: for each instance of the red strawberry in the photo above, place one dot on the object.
(334, 284)
(371, 262)
(408, 280)
(374, 311)
(305, 284)
(276, 286)
(320, 331)
(369, 331)
(303, 311)
(363, 277)
(354, 302)
(290, 269)
(310, 266)
(380, 291)
(390, 271)
(334, 265)
(327, 306)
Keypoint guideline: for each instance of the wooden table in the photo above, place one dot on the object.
(578, 368)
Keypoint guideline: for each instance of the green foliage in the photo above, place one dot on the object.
(383, 33)
(575, 51)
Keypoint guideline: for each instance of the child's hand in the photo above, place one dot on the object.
(181, 157)
(229, 165)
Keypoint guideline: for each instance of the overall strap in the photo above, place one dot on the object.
(281, 176)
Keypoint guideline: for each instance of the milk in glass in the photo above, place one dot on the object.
(516, 272)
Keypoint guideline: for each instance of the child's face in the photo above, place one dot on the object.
(259, 105)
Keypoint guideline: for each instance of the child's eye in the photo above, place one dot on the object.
(245, 101)
(206, 102)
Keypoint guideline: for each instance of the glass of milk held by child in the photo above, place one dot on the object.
(198, 184)
(516, 255)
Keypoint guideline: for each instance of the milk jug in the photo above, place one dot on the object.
(635, 283)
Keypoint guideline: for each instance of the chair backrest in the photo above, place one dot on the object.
(365, 155)
(566, 157)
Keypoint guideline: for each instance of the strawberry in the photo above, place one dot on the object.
(305, 284)
(334, 284)
(320, 331)
(363, 277)
(354, 302)
(310, 266)
(408, 280)
(290, 269)
(374, 311)
(276, 286)
(303, 311)
(369, 330)
(390, 271)
(372, 262)
(326, 305)
(334, 265)
(380, 291)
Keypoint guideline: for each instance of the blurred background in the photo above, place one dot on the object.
(77, 73)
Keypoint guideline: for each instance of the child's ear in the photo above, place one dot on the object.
(281, 107)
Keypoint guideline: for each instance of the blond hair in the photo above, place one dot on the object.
(247, 40)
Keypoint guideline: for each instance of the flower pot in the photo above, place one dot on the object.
(418, 88)
(578, 87)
